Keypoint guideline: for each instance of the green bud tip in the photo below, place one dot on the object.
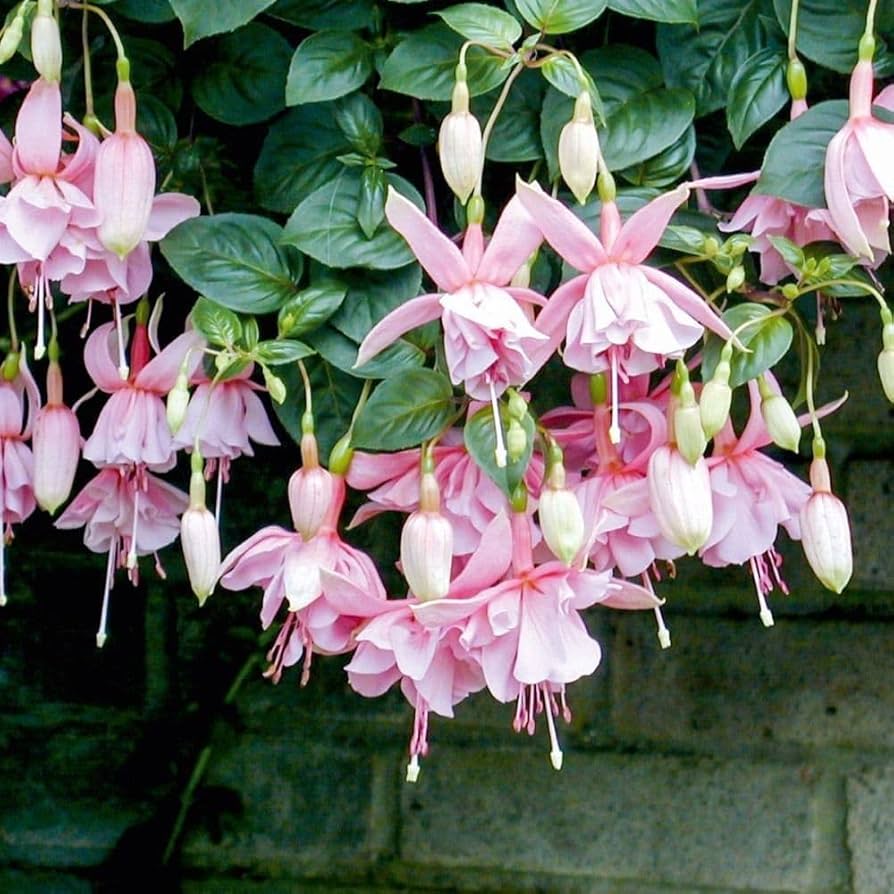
(605, 185)
(796, 79)
(518, 406)
(866, 48)
(307, 422)
(427, 463)
(143, 311)
(598, 389)
(819, 448)
(53, 350)
(518, 499)
(341, 456)
(10, 368)
(460, 73)
(196, 463)
(122, 67)
(475, 211)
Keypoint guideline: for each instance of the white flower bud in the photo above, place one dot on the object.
(715, 399)
(177, 402)
(460, 146)
(199, 536)
(886, 361)
(11, 38)
(689, 434)
(46, 47)
(826, 531)
(781, 421)
(680, 497)
(579, 149)
(561, 522)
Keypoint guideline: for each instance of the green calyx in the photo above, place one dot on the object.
(796, 79)
(341, 456)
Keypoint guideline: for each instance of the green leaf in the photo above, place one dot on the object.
(371, 207)
(475, 21)
(792, 254)
(234, 259)
(622, 72)
(796, 157)
(667, 167)
(327, 65)
(317, 15)
(560, 16)
(481, 442)
(341, 352)
(150, 11)
(325, 226)
(562, 74)
(756, 94)
(705, 58)
(334, 397)
(516, 135)
(227, 15)
(371, 296)
(422, 65)
(243, 83)
(672, 11)
(275, 353)
(405, 411)
(768, 341)
(300, 152)
(689, 240)
(829, 31)
(310, 308)
(156, 123)
(217, 324)
(646, 125)
(360, 121)
(251, 333)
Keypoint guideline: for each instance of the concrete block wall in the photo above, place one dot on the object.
(740, 760)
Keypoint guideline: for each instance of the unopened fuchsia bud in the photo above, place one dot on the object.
(12, 35)
(311, 488)
(561, 519)
(459, 142)
(46, 46)
(199, 536)
(56, 442)
(716, 397)
(886, 357)
(178, 399)
(680, 498)
(687, 421)
(825, 529)
(779, 417)
(426, 542)
(579, 149)
(124, 182)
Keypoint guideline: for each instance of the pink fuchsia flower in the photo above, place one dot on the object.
(620, 314)
(289, 569)
(488, 336)
(859, 175)
(19, 399)
(126, 512)
(763, 216)
(57, 444)
(132, 428)
(312, 490)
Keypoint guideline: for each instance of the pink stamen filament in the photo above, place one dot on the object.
(664, 637)
(419, 739)
(555, 754)
(760, 585)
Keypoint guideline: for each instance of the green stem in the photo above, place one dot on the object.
(361, 403)
(870, 19)
(492, 120)
(10, 298)
(853, 283)
(793, 31)
(113, 31)
(88, 70)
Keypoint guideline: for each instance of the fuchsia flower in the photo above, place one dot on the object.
(19, 399)
(289, 569)
(488, 337)
(859, 175)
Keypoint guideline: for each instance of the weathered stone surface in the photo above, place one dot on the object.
(20, 882)
(305, 808)
(659, 820)
(733, 683)
(870, 484)
(870, 826)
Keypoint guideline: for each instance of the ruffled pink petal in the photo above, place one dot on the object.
(441, 259)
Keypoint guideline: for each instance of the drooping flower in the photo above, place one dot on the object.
(199, 536)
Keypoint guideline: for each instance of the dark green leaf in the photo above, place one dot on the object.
(562, 74)
(481, 442)
(622, 72)
(756, 94)
(371, 296)
(419, 135)
(475, 21)
(516, 135)
(199, 21)
(334, 398)
(792, 254)
(299, 153)
(371, 207)
(327, 65)
(705, 58)
(422, 65)
(341, 352)
(689, 240)
(156, 123)
(251, 333)
(768, 340)
(309, 309)
(275, 353)
(667, 167)
(673, 11)
(325, 226)
(405, 411)
(217, 324)
(243, 83)
(151, 11)
(560, 16)
(361, 123)
(234, 259)
(316, 15)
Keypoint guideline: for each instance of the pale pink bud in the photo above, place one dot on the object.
(561, 522)
(680, 497)
(460, 146)
(579, 149)
(826, 531)
(57, 446)
(312, 490)
(199, 536)
(426, 545)
(124, 182)
(886, 357)
(46, 47)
